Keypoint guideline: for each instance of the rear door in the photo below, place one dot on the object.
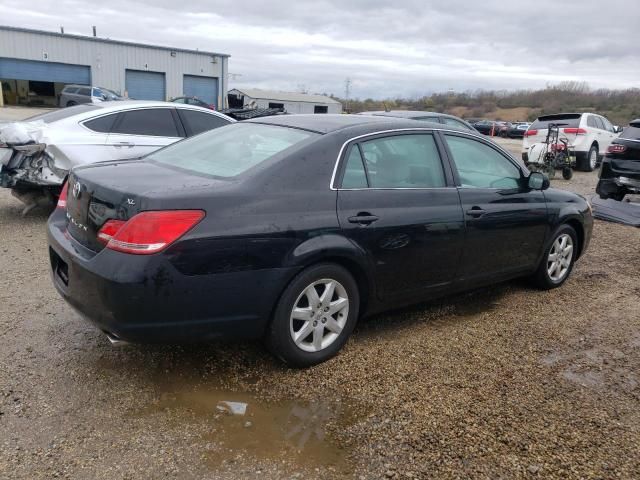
(139, 132)
(506, 223)
(398, 203)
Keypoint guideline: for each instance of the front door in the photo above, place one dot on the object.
(396, 203)
(506, 222)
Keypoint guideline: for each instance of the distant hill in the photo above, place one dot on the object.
(619, 106)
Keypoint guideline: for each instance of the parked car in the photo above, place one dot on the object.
(502, 129)
(432, 117)
(77, 94)
(620, 172)
(589, 135)
(518, 130)
(193, 101)
(292, 227)
(486, 127)
(45, 147)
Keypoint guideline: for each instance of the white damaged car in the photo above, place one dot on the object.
(37, 154)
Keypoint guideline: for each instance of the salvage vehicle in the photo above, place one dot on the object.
(290, 228)
(433, 117)
(589, 136)
(620, 172)
(518, 130)
(77, 94)
(45, 147)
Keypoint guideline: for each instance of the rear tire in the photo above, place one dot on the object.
(590, 163)
(558, 259)
(315, 316)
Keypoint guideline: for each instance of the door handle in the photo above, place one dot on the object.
(476, 212)
(363, 218)
(125, 144)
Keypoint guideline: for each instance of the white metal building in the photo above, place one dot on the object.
(290, 102)
(35, 65)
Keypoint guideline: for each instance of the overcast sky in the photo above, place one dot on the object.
(387, 48)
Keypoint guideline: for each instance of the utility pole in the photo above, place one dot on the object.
(347, 91)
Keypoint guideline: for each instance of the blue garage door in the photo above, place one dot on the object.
(205, 88)
(14, 69)
(143, 85)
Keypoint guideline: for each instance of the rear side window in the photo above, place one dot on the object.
(600, 123)
(403, 161)
(480, 166)
(101, 124)
(70, 90)
(198, 122)
(427, 119)
(354, 173)
(84, 91)
(157, 122)
(230, 150)
(591, 122)
(571, 120)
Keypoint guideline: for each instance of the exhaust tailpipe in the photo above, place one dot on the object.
(114, 340)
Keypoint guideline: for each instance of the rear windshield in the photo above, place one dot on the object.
(231, 150)
(571, 120)
(632, 132)
(63, 113)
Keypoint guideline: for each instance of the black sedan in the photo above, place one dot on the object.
(487, 127)
(620, 172)
(291, 228)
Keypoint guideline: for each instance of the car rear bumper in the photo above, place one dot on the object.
(144, 299)
(619, 176)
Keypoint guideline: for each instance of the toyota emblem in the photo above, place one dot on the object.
(77, 188)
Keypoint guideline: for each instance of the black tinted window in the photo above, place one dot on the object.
(157, 122)
(198, 122)
(403, 161)
(571, 120)
(102, 124)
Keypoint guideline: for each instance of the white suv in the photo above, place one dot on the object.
(589, 136)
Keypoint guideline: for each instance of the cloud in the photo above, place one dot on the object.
(406, 48)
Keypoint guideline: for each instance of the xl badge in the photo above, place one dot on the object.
(77, 188)
(131, 201)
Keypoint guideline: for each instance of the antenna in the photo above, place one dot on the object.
(94, 30)
(347, 91)
(62, 29)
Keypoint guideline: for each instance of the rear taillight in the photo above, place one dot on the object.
(531, 133)
(62, 199)
(575, 131)
(148, 232)
(617, 149)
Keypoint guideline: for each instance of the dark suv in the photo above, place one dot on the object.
(620, 173)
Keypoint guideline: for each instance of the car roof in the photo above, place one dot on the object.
(405, 113)
(327, 123)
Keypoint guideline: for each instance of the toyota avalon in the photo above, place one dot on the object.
(291, 228)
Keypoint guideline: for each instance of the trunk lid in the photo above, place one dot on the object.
(541, 127)
(120, 190)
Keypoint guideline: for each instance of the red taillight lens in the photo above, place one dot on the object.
(617, 149)
(109, 229)
(531, 133)
(149, 232)
(62, 199)
(575, 131)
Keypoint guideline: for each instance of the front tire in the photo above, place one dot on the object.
(314, 316)
(558, 259)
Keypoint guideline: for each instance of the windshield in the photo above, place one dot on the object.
(231, 150)
(63, 113)
(565, 120)
(103, 92)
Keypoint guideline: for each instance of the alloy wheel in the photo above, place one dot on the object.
(593, 158)
(319, 315)
(560, 258)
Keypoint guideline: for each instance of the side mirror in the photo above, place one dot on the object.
(538, 181)
(617, 129)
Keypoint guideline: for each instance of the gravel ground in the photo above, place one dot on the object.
(503, 382)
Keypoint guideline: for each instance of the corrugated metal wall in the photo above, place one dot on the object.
(108, 61)
(297, 107)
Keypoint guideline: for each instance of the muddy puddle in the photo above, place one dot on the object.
(239, 426)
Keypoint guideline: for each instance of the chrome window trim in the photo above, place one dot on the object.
(417, 130)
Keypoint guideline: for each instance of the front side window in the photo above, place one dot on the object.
(403, 161)
(231, 150)
(157, 122)
(198, 122)
(480, 166)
